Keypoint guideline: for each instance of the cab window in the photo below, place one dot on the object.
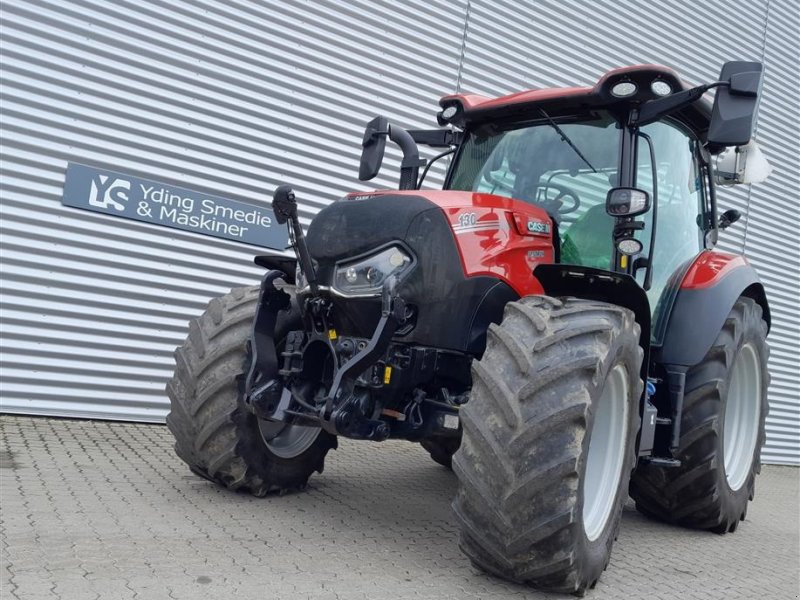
(680, 197)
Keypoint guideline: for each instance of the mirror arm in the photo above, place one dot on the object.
(652, 111)
(712, 196)
(435, 138)
(409, 168)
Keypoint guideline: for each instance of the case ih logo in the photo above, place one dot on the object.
(109, 192)
(539, 227)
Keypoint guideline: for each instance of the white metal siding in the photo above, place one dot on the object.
(227, 98)
(772, 243)
(233, 98)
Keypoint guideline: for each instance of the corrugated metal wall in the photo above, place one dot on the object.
(772, 242)
(233, 98)
(229, 98)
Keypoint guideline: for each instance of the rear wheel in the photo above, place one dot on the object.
(722, 431)
(214, 433)
(548, 442)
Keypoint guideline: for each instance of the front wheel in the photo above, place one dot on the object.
(722, 431)
(214, 432)
(549, 442)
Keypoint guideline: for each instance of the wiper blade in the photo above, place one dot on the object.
(565, 138)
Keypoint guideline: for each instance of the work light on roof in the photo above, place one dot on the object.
(449, 112)
(660, 88)
(623, 89)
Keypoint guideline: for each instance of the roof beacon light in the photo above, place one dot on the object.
(660, 88)
(623, 89)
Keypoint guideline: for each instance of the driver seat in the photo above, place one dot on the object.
(588, 241)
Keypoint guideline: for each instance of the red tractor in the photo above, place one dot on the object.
(554, 323)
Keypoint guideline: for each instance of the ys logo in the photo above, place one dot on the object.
(131, 197)
(109, 192)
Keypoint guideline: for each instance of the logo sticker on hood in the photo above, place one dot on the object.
(538, 227)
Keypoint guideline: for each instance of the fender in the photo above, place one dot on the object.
(286, 264)
(704, 297)
(489, 310)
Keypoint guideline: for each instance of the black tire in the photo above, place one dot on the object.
(697, 494)
(442, 449)
(214, 433)
(526, 433)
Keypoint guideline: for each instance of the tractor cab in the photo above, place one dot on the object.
(640, 132)
(570, 170)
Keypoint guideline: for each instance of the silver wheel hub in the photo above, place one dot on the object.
(742, 412)
(287, 441)
(606, 456)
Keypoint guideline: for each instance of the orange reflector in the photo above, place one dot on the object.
(387, 375)
(332, 334)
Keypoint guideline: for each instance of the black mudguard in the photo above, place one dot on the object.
(285, 264)
(698, 315)
(688, 325)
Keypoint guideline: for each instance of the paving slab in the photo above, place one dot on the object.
(93, 509)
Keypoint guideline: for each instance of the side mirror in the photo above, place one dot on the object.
(742, 164)
(627, 202)
(284, 204)
(728, 218)
(374, 145)
(735, 104)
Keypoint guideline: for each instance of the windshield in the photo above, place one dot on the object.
(566, 169)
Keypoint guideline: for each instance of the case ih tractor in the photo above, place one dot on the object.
(554, 323)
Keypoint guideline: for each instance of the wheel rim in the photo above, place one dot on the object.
(606, 455)
(287, 441)
(742, 407)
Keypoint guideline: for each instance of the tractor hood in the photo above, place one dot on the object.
(359, 223)
(436, 287)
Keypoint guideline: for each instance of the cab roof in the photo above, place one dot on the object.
(474, 108)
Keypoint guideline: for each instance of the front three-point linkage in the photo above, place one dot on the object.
(264, 391)
(342, 409)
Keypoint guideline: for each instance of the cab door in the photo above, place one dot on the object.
(680, 191)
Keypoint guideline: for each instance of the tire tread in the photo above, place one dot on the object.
(522, 438)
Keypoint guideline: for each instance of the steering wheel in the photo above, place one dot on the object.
(563, 192)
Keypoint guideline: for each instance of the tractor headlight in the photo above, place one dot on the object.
(366, 276)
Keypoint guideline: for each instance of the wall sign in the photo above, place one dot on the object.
(131, 197)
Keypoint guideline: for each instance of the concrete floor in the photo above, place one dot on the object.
(106, 510)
